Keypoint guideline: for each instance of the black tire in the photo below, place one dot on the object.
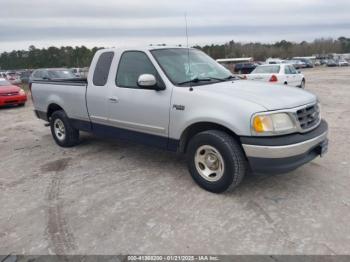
(71, 135)
(235, 163)
(21, 105)
(302, 84)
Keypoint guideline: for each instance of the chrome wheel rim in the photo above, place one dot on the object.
(60, 130)
(209, 163)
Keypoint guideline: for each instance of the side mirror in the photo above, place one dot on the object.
(148, 81)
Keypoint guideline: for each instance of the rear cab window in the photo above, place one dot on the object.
(102, 68)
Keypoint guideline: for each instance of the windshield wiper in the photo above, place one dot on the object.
(195, 80)
(231, 77)
(222, 79)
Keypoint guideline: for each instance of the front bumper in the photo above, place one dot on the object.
(285, 153)
(12, 100)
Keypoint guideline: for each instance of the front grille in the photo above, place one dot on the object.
(11, 102)
(309, 116)
(10, 94)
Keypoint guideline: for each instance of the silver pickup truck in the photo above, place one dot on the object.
(181, 100)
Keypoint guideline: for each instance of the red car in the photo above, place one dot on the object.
(10, 94)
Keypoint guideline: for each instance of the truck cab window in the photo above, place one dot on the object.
(133, 64)
(102, 68)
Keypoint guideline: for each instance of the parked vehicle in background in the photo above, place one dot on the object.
(80, 72)
(342, 63)
(155, 95)
(331, 63)
(296, 63)
(323, 61)
(280, 74)
(244, 68)
(11, 94)
(25, 75)
(51, 74)
(13, 77)
(307, 62)
(273, 61)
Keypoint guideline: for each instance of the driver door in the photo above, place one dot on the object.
(139, 114)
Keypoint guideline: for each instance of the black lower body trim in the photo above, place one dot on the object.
(120, 133)
(81, 125)
(41, 115)
(124, 134)
(283, 165)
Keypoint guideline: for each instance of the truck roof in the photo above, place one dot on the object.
(142, 48)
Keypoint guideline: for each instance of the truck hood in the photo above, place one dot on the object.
(271, 96)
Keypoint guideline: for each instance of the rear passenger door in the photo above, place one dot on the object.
(139, 114)
(97, 91)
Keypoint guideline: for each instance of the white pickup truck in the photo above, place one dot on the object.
(181, 100)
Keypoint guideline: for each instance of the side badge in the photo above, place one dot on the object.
(179, 107)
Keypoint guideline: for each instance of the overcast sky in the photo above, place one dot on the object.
(134, 22)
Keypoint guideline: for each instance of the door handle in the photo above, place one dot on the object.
(113, 99)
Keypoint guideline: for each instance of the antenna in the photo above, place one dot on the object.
(186, 29)
(188, 49)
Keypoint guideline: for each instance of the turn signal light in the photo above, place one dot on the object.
(262, 124)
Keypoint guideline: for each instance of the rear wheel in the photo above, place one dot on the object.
(63, 132)
(302, 84)
(216, 161)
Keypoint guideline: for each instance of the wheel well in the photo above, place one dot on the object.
(196, 128)
(52, 108)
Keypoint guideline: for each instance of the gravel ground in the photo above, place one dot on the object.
(113, 197)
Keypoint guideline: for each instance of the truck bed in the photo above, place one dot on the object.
(68, 94)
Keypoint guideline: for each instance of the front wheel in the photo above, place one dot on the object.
(216, 161)
(63, 132)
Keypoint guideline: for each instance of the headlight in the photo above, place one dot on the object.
(272, 124)
(21, 92)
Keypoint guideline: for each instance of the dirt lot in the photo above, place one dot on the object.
(112, 197)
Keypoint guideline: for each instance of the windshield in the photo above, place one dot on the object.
(175, 64)
(3, 82)
(61, 74)
(273, 69)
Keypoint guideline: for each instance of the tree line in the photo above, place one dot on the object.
(282, 49)
(67, 56)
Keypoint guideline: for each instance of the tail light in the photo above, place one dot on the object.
(273, 78)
